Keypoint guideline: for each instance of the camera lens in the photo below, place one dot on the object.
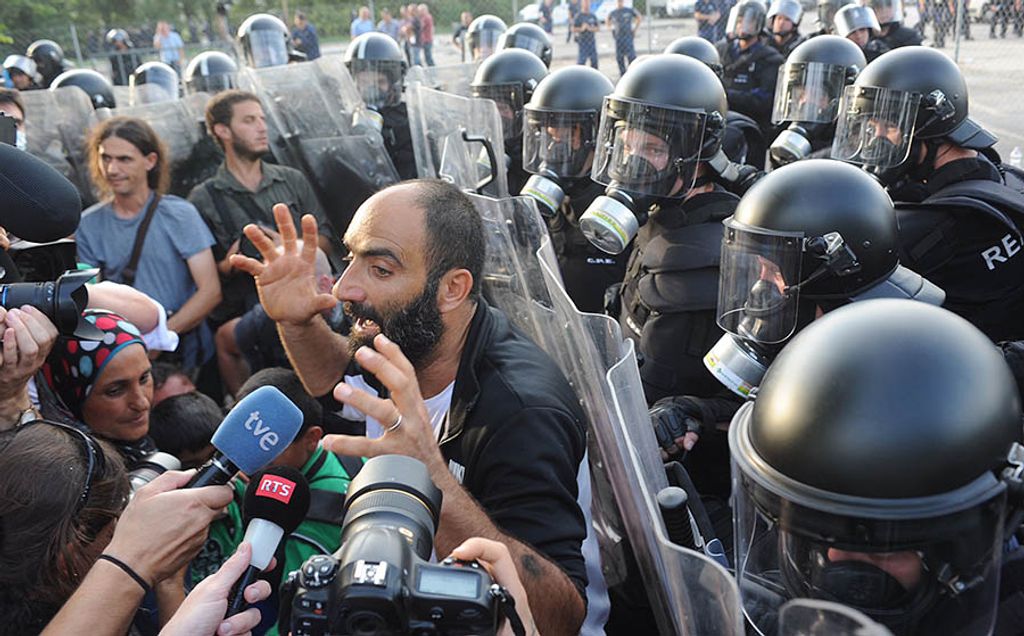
(62, 301)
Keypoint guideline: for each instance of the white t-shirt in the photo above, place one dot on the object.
(437, 408)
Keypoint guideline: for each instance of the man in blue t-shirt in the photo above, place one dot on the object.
(175, 266)
(170, 45)
(305, 38)
(585, 25)
(624, 21)
(708, 15)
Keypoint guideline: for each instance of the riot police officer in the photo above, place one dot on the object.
(559, 140)
(482, 36)
(22, 71)
(210, 72)
(97, 87)
(826, 15)
(264, 40)
(152, 83)
(378, 68)
(123, 58)
(750, 67)
(807, 97)
(906, 120)
(858, 24)
(49, 59)
(509, 78)
(807, 238)
(890, 16)
(699, 49)
(530, 37)
(880, 467)
(784, 25)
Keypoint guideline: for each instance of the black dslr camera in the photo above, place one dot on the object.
(380, 581)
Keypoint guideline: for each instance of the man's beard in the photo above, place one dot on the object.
(416, 328)
(245, 151)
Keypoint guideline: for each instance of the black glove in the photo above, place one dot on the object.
(674, 417)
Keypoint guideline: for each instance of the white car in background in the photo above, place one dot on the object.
(559, 13)
(680, 8)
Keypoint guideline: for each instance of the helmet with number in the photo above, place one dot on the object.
(871, 470)
(482, 36)
(907, 97)
(698, 49)
(509, 77)
(528, 36)
(153, 82)
(746, 20)
(791, 9)
(827, 12)
(115, 36)
(378, 68)
(264, 40)
(210, 72)
(97, 87)
(854, 17)
(887, 11)
(48, 56)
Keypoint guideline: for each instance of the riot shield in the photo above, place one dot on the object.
(458, 139)
(807, 617)
(57, 123)
(192, 157)
(689, 592)
(310, 109)
(449, 78)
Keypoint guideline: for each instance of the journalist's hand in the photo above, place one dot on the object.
(202, 613)
(414, 436)
(28, 336)
(286, 281)
(498, 560)
(163, 527)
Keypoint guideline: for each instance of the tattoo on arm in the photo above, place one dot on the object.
(530, 565)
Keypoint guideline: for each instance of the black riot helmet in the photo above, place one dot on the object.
(119, 35)
(153, 82)
(264, 40)
(528, 36)
(873, 470)
(482, 36)
(905, 98)
(378, 68)
(812, 234)
(97, 87)
(807, 93)
(827, 13)
(210, 72)
(698, 49)
(666, 115)
(746, 20)
(48, 56)
(509, 77)
(560, 132)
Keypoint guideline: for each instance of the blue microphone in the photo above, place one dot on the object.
(252, 435)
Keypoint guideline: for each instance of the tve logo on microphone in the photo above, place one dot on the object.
(276, 487)
(267, 438)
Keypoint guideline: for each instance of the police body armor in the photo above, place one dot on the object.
(398, 140)
(670, 293)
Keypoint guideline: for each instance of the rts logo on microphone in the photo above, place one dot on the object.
(276, 487)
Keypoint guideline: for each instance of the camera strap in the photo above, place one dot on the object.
(129, 270)
(507, 605)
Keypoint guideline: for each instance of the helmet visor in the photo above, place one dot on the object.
(211, 84)
(647, 149)
(875, 126)
(854, 18)
(157, 88)
(522, 41)
(482, 44)
(788, 8)
(745, 22)
(267, 48)
(558, 143)
(937, 583)
(379, 81)
(757, 300)
(509, 98)
(885, 10)
(808, 92)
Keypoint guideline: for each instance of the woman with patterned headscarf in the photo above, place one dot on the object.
(105, 386)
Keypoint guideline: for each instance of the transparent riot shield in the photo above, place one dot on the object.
(122, 96)
(57, 123)
(311, 108)
(807, 617)
(458, 139)
(689, 592)
(181, 125)
(449, 78)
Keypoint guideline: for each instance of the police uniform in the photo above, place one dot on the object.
(398, 140)
(901, 35)
(794, 40)
(749, 78)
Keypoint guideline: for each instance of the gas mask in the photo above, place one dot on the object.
(794, 143)
(614, 218)
(547, 190)
(20, 140)
(366, 121)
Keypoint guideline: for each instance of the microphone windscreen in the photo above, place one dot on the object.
(36, 202)
(260, 426)
(279, 494)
